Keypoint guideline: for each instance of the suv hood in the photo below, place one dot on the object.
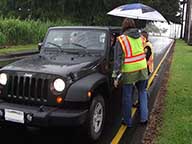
(59, 64)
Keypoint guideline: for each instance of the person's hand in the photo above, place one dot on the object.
(145, 50)
(116, 83)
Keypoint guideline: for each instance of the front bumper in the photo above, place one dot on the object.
(46, 116)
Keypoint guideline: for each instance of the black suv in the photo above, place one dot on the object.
(67, 83)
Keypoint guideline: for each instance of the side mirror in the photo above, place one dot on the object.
(40, 46)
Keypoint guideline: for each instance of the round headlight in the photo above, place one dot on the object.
(3, 79)
(59, 85)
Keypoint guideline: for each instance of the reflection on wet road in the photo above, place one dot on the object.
(159, 46)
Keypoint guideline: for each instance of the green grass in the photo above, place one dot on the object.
(18, 48)
(177, 118)
(4, 63)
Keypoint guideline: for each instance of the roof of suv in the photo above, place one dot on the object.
(87, 27)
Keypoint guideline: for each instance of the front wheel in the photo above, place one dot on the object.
(96, 117)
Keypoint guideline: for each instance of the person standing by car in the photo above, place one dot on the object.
(130, 64)
(148, 49)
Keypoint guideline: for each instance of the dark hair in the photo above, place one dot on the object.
(128, 23)
(145, 34)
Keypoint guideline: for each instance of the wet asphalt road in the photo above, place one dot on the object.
(160, 46)
(77, 135)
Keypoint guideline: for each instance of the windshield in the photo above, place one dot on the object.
(73, 39)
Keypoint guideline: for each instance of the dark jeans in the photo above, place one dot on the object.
(127, 101)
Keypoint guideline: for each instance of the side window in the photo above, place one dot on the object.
(113, 38)
(113, 42)
(112, 45)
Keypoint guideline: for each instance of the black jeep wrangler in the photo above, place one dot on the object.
(67, 83)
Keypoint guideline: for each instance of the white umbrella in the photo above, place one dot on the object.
(137, 11)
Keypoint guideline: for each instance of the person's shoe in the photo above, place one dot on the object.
(136, 105)
(125, 124)
(144, 122)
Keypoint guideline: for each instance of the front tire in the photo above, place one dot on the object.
(96, 118)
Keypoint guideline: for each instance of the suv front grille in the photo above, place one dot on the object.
(28, 89)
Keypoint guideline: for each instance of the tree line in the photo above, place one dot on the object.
(87, 12)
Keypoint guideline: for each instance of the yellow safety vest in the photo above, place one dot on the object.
(134, 56)
(150, 62)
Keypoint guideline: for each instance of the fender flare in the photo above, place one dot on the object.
(77, 92)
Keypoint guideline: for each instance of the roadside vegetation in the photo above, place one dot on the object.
(177, 117)
(16, 31)
(26, 22)
(88, 12)
(4, 63)
(15, 49)
(18, 48)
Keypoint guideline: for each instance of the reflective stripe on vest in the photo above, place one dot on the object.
(125, 45)
(134, 57)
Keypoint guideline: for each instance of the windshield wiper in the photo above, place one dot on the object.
(56, 45)
(79, 45)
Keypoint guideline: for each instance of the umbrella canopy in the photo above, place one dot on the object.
(137, 11)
